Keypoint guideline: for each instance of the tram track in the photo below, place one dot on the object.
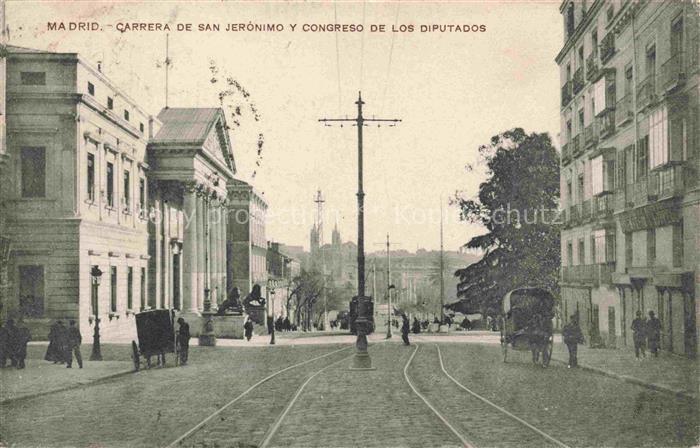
(473, 419)
(228, 423)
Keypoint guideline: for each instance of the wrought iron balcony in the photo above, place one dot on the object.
(566, 94)
(588, 274)
(666, 182)
(565, 154)
(586, 210)
(578, 81)
(576, 147)
(606, 123)
(592, 68)
(646, 91)
(624, 111)
(641, 192)
(607, 47)
(590, 134)
(603, 205)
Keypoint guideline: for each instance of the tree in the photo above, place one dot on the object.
(517, 205)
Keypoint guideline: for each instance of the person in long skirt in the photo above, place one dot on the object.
(57, 343)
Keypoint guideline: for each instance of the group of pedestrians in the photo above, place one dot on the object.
(646, 333)
(64, 343)
(13, 343)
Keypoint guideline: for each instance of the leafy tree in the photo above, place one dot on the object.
(517, 205)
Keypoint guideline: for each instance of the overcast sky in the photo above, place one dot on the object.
(453, 91)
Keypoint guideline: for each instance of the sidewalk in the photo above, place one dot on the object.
(40, 377)
(667, 373)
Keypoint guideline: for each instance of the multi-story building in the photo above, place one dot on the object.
(109, 211)
(630, 156)
(246, 241)
(73, 194)
(281, 271)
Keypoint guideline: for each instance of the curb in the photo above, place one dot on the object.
(632, 380)
(63, 389)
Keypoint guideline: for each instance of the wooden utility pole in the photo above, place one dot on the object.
(362, 360)
(442, 271)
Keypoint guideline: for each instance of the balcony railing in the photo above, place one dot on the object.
(666, 182)
(592, 68)
(673, 72)
(586, 210)
(603, 205)
(606, 123)
(620, 199)
(624, 111)
(576, 147)
(646, 91)
(590, 274)
(566, 94)
(607, 47)
(641, 192)
(590, 135)
(565, 154)
(578, 81)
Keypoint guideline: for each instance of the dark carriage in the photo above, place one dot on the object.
(156, 334)
(526, 323)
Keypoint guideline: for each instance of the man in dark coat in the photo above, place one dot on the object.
(572, 337)
(248, 328)
(4, 346)
(20, 340)
(56, 352)
(405, 328)
(653, 333)
(416, 326)
(183, 338)
(639, 335)
(73, 341)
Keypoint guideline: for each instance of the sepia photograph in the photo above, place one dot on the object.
(349, 223)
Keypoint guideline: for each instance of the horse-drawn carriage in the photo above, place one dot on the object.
(156, 333)
(527, 323)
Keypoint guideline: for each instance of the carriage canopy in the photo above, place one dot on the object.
(155, 332)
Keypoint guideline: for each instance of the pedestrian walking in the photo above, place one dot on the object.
(11, 349)
(56, 352)
(4, 347)
(21, 338)
(572, 337)
(405, 328)
(639, 335)
(183, 338)
(73, 341)
(248, 328)
(653, 333)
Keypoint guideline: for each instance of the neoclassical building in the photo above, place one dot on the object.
(191, 161)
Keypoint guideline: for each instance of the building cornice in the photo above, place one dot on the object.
(580, 29)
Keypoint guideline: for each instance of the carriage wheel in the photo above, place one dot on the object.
(135, 356)
(547, 352)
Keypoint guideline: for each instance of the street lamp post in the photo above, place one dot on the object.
(272, 302)
(96, 275)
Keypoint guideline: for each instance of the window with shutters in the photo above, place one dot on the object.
(628, 249)
(33, 172)
(127, 189)
(569, 253)
(643, 157)
(581, 252)
(658, 137)
(678, 245)
(110, 184)
(651, 247)
(597, 176)
(113, 289)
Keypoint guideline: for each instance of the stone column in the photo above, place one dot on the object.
(167, 257)
(222, 253)
(201, 262)
(158, 255)
(214, 237)
(189, 255)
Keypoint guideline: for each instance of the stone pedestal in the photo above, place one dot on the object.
(207, 338)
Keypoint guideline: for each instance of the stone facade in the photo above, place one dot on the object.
(246, 241)
(92, 181)
(77, 150)
(630, 135)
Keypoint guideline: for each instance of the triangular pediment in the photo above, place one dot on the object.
(218, 146)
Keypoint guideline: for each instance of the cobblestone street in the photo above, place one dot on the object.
(339, 407)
